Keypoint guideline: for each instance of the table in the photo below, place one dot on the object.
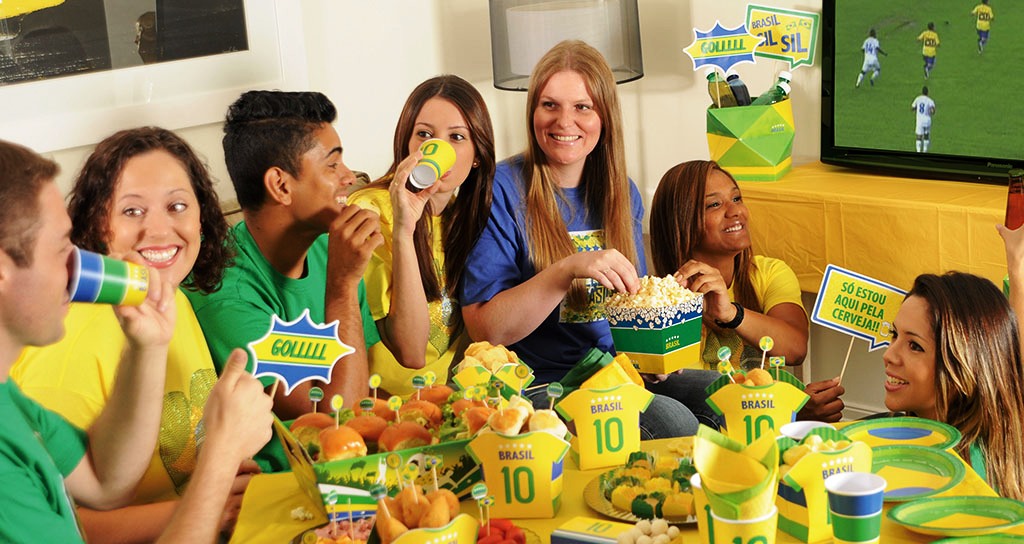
(888, 228)
(266, 507)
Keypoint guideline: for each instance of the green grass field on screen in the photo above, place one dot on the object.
(979, 99)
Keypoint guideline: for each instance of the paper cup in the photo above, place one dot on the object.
(701, 506)
(102, 280)
(761, 530)
(855, 501)
(797, 430)
(438, 158)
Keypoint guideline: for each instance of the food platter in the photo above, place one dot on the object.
(915, 472)
(596, 500)
(960, 516)
(916, 431)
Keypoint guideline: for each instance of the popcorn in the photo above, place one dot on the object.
(659, 301)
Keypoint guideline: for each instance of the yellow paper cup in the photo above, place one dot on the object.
(104, 280)
(438, 158)
(702, 508)
(761, 530)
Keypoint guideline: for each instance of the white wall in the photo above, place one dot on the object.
(367, 56)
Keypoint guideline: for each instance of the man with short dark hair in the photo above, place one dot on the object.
(299, 248)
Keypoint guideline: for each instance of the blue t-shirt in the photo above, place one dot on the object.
(500, 260)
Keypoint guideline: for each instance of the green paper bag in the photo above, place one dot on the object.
(753, 143)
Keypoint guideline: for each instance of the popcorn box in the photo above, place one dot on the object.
(659, 340)
(752, 411)
(802, 498)
(350, 479)
(753, 143)
(607, 423)
(523, 472)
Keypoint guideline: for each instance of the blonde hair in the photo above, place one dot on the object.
(978, 372)
(605, 186)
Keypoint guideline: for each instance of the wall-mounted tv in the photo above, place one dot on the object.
(871, 121)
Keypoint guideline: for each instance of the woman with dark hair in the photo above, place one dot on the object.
(955, 357)
(144, 195)
(411, 278)
(565, 229)
(700, 233)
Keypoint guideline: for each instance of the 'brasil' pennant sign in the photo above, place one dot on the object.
(857, 305)
(298, 351)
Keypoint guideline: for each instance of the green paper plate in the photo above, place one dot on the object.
(910, 431)
(960, 516)
(915, 472)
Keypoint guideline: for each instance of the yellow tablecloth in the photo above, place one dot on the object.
(891, 229)
(270, 498)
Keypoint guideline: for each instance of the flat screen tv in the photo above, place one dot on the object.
(977, 128)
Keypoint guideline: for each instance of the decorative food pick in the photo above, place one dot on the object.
(374, 384)
(315, 396)
(725, 367)
(494, 394)
(395, 402)
(766, 344)
(433, 461)
(332, 499)
(418, 382)
(366, 405)
(378, 492)
(724, 353)
(554, 391)
(273, 390)
(394, 462)
(478, 492)
(847, 359)
(351, 524)
(429, 378)
(522, 372)
(487, 501)
(337, 403)
(776, 362)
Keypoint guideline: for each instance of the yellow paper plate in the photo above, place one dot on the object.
(915, 431)
(596, 500)
(986, 539)
(960, 516)
(915, 472)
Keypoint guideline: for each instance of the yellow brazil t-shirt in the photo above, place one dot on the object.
(609, 419)
(526, 471)
(444, 340)
(75, 376)
(751, 412)
(929, 40)
(984, 15)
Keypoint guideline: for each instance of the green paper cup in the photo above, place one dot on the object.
(438, 158)
(855, 503)
(100, 279)
(761, 530)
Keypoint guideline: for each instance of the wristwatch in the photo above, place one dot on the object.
(735, 321)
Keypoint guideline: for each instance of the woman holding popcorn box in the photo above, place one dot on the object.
(565, 230)
(700, 234)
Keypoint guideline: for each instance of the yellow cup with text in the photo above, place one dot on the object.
(758, 530)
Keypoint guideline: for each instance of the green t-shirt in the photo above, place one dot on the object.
(38, 448)
(251, 292)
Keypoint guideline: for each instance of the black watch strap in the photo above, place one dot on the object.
(735, 321)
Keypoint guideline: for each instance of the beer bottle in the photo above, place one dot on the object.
(718, 89)
(1015, 200)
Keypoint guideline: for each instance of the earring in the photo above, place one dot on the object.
(476, 163)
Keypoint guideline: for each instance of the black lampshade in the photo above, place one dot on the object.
(523, 30)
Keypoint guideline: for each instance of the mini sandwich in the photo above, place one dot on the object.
(380, 407)
(476, 417)
(547, 421)
(461, 405)
(437, 393)
(368, 425)
(509, 421)
(403, 435)
(424, 412)
(306, 429)
(341, 442)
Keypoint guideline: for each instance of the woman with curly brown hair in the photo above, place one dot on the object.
(142, 195)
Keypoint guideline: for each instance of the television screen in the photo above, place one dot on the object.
(928, 89)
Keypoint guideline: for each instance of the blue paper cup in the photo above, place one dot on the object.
(104, 280)
(855, 503)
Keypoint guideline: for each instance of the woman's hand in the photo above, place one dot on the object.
(703, 278)
(607, 267)
(408, 205)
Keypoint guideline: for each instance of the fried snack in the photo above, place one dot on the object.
(758, 376)
(449, 498)
(547, 421)
(483, 353)
(437, 514)
(508, 421)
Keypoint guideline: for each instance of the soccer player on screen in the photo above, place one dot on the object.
(930, 40)
(871, 49)
(924, 106)
(984, 15)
